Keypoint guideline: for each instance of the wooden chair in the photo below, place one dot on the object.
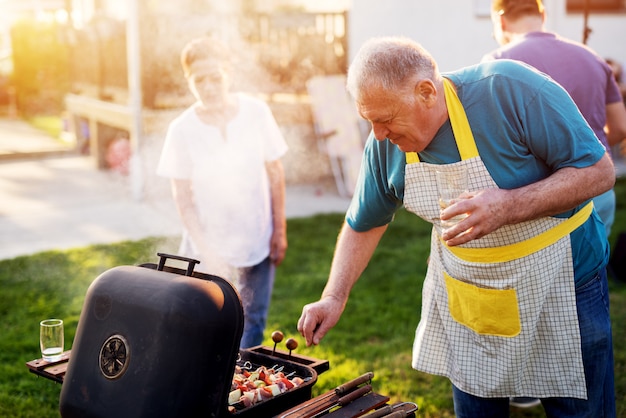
(337, 128)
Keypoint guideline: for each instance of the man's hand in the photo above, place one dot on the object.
(486, 210)
(318, 318)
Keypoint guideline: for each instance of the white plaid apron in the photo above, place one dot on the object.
(499, 313)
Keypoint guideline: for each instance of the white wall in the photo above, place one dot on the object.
(608, 36)
(458, 32)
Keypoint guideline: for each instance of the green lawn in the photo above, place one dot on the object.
(374, 334)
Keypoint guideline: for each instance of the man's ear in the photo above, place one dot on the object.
(501, 20)
(426, 92)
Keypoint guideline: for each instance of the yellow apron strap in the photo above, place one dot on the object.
(460, 126)
(412, 157)
(526, 247)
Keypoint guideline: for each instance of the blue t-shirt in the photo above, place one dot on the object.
(525, 126)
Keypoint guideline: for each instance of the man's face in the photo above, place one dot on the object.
(407, 117)
(208, 81)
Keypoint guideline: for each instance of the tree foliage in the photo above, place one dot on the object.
(40, 66)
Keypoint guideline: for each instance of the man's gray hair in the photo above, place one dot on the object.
(388, 62)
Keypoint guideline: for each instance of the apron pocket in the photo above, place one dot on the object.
(486, 311)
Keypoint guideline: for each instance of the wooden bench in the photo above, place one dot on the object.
(99, 116)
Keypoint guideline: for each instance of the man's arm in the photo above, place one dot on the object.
(352, 254)
(562, 191)
(278, 242)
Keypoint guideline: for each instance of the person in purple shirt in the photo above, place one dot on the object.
(519, 27)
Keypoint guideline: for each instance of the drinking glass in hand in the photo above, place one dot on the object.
(51, 339)
(451, 183)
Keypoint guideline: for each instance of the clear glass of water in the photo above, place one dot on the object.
(451, 183)
(51, 339)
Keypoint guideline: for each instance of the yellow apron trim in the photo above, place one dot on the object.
(412, 158)
(526, 247)
(485, 311)
(460, 126)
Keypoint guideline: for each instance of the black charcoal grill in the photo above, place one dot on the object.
(159, 341)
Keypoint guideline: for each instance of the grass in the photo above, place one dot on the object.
(374, 334)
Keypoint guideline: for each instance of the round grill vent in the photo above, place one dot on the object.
(114, 357)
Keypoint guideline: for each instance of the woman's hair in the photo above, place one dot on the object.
(388, 63)
(205, 48)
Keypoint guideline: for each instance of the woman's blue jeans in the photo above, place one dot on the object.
(255, 285)
(592, 303)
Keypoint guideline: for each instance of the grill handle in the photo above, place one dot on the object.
(191, 263)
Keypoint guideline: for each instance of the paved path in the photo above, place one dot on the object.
(19, 140)
(58, 200)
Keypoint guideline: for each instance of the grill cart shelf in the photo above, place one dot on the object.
(50, 370)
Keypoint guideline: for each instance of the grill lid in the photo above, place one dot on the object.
(153, 341)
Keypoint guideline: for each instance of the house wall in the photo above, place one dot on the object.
(459, 32)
